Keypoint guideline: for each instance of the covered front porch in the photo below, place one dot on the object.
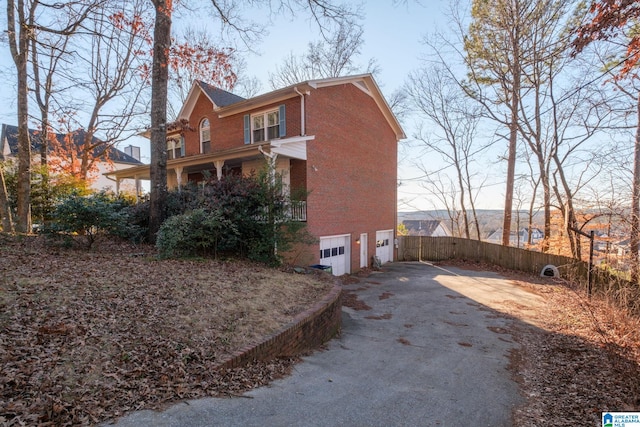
(281, 156)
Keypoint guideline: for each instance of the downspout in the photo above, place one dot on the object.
(302, 124)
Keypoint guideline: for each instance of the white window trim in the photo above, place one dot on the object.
(174, 145)
(200, 129)
(264, 114)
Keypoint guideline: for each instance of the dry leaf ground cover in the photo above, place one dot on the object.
(583, 360)
(88, 335)
(580, 359)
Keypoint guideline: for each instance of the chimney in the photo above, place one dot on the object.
(133, 151)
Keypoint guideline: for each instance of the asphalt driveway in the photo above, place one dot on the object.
(432, 350)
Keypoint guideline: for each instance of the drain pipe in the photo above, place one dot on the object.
(302, 124)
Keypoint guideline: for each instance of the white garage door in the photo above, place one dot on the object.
(384, 245)
(335, 251)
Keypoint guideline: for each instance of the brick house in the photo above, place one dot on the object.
(109, 158)
(334, 138)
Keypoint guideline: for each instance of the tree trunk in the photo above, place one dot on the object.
(160, 77)
(568, 210)
(463, 208)
(513, 137)
(634, 240)
(24, 157)
(5, 210)
(511, 171)
(19, 46)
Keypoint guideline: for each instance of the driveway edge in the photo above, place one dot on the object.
(309, 330)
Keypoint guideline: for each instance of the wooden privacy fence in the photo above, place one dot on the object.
(416, 248)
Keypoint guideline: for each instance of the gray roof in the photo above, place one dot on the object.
(422, 227)
(10, 136)
(221, 98)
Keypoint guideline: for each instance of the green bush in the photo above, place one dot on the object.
(46, 191)
(247, 217)
(137, 215)
(92, 215)
(196, 233)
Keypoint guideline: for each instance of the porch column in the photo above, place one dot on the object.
(178, 172)
(219, 164)
(138, 188)
(272, 160)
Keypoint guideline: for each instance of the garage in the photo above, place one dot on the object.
(336, 252)
(384, 245)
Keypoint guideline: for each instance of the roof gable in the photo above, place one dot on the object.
(219, 98)
(364, 82)
(425, 227)
(9, 139)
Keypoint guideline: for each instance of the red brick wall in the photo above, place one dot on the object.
(228, 132)
(308, 331)
(351, 167)
(298, 174)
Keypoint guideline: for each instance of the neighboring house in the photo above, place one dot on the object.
(536, 235)
(517, 239)
(334, 138)
(621, 248)
(111, 159)
(431, 227)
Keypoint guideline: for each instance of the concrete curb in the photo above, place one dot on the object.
(309, 330)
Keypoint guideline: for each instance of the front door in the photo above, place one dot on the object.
(364, 252)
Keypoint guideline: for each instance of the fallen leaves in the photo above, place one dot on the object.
(86, 336)
(581, 357)
(583, 360)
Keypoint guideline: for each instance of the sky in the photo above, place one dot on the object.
(392, 34)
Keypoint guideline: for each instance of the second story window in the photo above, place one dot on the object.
(174, 148)
(258, 128)
(205, 136)
(273, 124)
(265, 126)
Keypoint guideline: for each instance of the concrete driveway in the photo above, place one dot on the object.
(432, 351)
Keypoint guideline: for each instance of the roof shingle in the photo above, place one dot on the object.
(10, 136)
(221, 98)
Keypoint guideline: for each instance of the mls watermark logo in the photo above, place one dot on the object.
(607, 420)
(621, 419)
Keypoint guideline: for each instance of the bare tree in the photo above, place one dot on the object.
(19, 19)
(533, 180)
(494, 47)
(199, 57)
(452, 134)
(112, 83)
(25, 18)
(324, 59)
(159, 98)
(443, 189)
(48, 52)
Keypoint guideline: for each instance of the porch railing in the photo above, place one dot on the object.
(296, 211)
(299, 210)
